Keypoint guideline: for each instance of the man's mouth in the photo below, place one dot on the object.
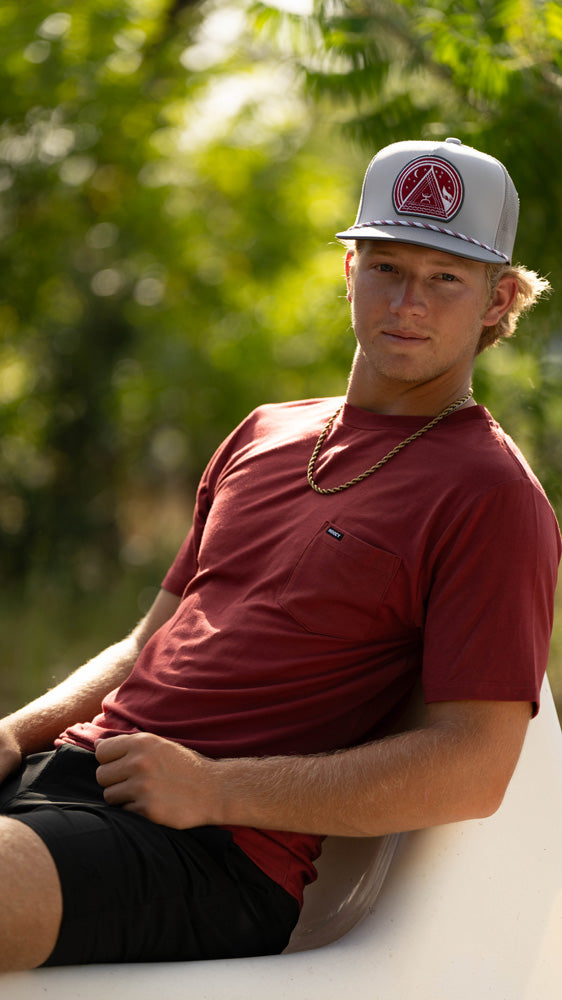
(405, 335)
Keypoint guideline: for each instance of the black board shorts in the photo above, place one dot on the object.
(135, 891)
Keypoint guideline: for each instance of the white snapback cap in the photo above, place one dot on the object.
(443, 195)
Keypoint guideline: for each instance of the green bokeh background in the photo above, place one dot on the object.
(171, 177)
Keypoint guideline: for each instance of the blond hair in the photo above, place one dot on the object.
(530, 288)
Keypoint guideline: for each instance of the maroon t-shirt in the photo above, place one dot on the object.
(305, 619)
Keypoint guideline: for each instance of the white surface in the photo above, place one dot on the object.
(467, 911)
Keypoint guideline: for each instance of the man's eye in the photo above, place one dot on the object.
(448, 277)
(385, 267)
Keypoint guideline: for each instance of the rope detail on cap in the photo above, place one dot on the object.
(437, 229)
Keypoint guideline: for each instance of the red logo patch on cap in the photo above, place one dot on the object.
(428, 186)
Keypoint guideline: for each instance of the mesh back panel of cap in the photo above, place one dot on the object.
(510, 212)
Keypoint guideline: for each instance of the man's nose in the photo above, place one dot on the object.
(408, 296)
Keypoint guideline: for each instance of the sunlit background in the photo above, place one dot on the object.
(171, 177)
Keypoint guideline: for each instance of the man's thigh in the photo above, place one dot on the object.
(31, 898)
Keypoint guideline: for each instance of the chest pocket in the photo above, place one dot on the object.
(338, 584)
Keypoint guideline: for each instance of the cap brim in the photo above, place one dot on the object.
(458, 245)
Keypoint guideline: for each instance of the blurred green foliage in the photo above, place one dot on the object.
(171, 176)
(160, 266)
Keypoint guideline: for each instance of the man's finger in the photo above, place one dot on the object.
(111, 774)
(119, 794)
(111, 748)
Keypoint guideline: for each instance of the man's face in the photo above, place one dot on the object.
(417, 313)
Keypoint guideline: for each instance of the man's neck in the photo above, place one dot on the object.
(425, 399)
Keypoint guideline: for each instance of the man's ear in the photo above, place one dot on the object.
(503, 298)
(349, 273)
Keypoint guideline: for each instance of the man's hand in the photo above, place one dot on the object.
(158, 779)
(10, 753)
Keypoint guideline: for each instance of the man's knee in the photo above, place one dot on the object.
(31, 898)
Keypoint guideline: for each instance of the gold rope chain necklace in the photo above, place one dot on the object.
(364, 475)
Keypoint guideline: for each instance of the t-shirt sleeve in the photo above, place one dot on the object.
(182, 568)
(490, 607)
(184, 565)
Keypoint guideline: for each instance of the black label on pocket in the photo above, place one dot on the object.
(334, 533)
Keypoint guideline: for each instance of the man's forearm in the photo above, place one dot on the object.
(397, 784)
(76, 699)
(446, 772)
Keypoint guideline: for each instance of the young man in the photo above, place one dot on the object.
(341, 550)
